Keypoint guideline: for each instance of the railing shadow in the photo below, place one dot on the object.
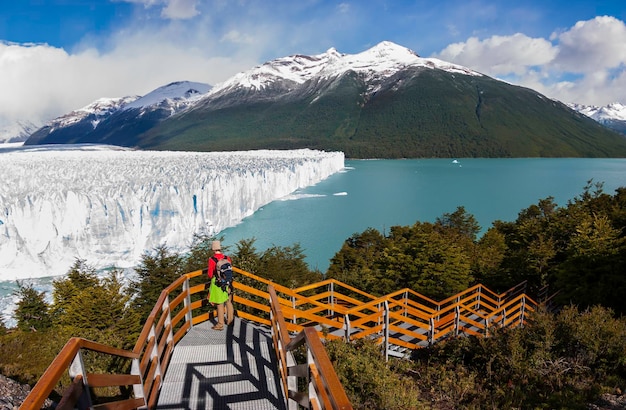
(238, 368)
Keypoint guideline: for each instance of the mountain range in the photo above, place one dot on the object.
(612, 115)
(386, 102)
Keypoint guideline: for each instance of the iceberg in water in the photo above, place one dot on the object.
(108, 206)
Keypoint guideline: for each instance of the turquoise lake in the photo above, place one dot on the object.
(383, 193)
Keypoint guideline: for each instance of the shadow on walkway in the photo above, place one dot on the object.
(230, 369)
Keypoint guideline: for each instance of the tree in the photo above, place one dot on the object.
(246, 256)
(286, 266)
(461, 222)
(593, 273)
(425, 259)
(81, 276)
(428, 258)
(156, 271)
(32, 311)
(354, 263)
(487, 259)
(93, 307)
(534, 243)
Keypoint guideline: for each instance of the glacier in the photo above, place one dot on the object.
(109, 205)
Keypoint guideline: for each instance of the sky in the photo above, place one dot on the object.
(60, 55)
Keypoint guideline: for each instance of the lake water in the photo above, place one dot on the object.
(383, 193)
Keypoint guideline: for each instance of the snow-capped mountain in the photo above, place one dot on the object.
(93, 113)
(178, 95)
(100, 120)
(386, 101)
(17, 132)
(375, 64)
(612, 115)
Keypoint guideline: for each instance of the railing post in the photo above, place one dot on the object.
(406, 303)
(486, 327)
(187, 303)
(477, 306)
(331, 299)
(457, 316)
(78, 368)
(503, 320)
(522, 311)
(138, 388)
(154, 355)
(310, 362)
(386, 329)
(293, 306)
(346, 326)
(431, 332)
(168, 319)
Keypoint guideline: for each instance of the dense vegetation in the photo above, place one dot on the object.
(414, 114)
(559, 360)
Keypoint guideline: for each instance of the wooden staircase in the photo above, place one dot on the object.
(400, 322)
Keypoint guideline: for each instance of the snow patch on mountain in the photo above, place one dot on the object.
(376, 63)
(99, 109)
(615, 111)
(175, 96)
(180, 91)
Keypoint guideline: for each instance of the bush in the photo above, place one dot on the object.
(555, 361)
(369, 381)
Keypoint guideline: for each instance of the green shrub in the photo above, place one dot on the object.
(369, 381)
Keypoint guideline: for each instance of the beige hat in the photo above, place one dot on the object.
(216, 246)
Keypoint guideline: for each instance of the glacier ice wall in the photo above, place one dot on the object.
(110, 206)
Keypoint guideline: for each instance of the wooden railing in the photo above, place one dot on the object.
(324, 391)
(71, 359)
(400, 322)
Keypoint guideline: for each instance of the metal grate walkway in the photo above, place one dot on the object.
(230, 369)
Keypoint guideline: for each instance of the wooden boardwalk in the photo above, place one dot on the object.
(230, 369)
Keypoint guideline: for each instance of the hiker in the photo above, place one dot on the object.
(220, 295)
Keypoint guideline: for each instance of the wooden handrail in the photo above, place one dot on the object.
(321, 376)
(61, 363)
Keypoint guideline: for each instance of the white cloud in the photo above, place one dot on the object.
(172, 9)
(343, 7)
(180, 9)
(584, 64)
(591, 45)
(41, 82)
(500, 55)
(235, 36)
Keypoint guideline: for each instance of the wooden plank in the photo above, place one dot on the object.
(149, 380)
(158, 328)
(153, 394)
(177, 300)
(147, 355)
(179, 316)
(107, 380)
(252, 318)
(181, 332)
(329, 379)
